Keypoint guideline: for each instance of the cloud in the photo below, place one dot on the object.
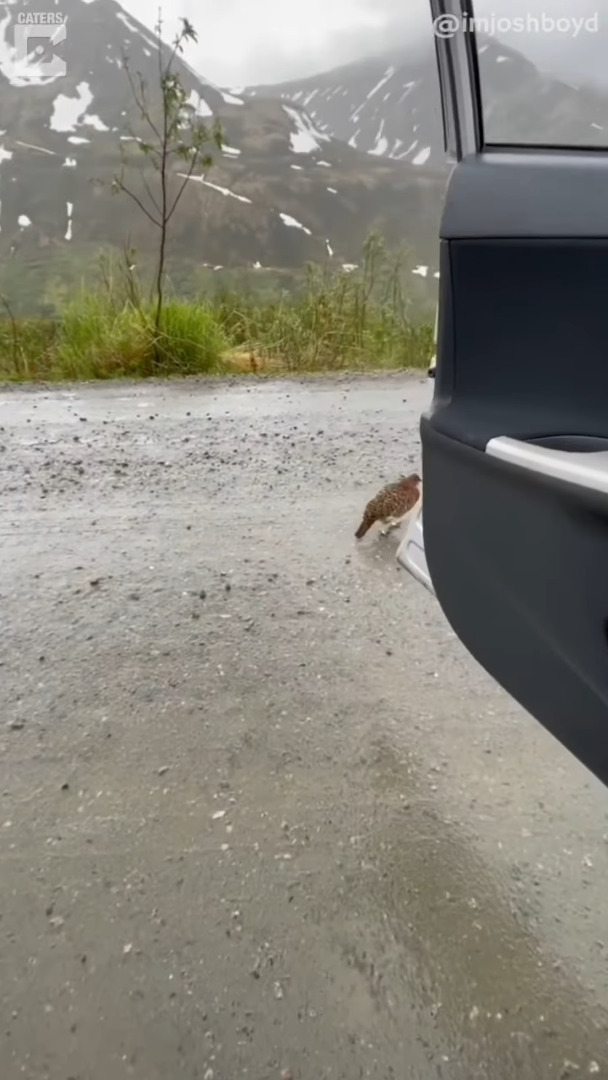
(261, 41)
(248, 41)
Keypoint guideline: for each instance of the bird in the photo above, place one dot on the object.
(391, 504)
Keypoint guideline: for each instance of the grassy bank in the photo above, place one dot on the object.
(338, 321)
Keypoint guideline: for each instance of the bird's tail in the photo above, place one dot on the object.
(363, 527)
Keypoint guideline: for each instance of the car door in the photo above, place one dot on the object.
(515, 443)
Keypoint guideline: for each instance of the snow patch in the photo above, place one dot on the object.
(31, 146)
(77, 140)
(388, 74)
(230, 151)
(422, 271)
(95, 122)
(68, 231)
(23, 221)
(305, 140)
(380, 148)
(298, 168)
(333, 190)
(330, 250)
(5, 155)
(127, 22)
(349, 267)
(216, 187)
(70, 112)
(199, 104)
(405, 153)
(422, 156)
(381, 144)
(230, 99)
(291, 222)
(69, 163)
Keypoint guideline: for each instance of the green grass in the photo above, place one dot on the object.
(335, 322)
(96, 339)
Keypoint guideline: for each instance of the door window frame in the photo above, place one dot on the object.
(458, 66)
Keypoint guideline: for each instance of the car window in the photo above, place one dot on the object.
(543, 75)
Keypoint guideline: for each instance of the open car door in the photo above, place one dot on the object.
(515, 445)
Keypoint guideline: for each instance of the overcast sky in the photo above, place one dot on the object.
(252, 41)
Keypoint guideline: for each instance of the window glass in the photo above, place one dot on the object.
(544, 71)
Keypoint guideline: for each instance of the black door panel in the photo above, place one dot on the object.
(528, 324)
(519, 562)
(528, 193)
(519, 568)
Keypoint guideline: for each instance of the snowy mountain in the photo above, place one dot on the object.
(389, 106)
(280, 193)
(385, 106)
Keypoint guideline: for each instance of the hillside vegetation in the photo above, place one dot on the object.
(335, 320)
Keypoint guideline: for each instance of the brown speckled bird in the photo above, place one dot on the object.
(391, 505)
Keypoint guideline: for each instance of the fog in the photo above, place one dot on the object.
(252, 41)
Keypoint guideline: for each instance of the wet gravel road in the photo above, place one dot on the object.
(261, 815)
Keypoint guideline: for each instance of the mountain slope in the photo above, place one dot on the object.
(280, 193)
(389, 106)
(386, 106)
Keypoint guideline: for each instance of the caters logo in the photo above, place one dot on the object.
(40, 18)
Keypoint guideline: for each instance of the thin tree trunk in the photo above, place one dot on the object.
(163, 238)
